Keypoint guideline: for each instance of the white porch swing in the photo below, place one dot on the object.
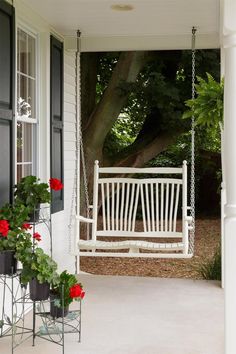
(159, 199)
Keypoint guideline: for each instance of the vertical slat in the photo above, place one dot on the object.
(143, 209)
(112, 206)
(171, 206)
(166, 206)
(131, 206)
(162, 205)
(122, 205)
(157, 207)
(184, 209)
(95, 200)
(127, 203)
(147, 206)
(152, 207)
(176, 207)
(108, 207)
(135, 207)
(103, 207)
(117, 204)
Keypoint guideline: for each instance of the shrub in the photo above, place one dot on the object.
(211, 269)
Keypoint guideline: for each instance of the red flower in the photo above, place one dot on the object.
(55, 184)
(26, 226)
(37, 236)
(76, 291)
(4, 227)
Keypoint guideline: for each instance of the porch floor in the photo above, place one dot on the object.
(139, 315)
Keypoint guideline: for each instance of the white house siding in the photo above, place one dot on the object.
(61, 220)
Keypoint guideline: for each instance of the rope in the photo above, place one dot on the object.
(192, 184)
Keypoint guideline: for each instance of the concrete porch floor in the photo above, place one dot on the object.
(133, 315)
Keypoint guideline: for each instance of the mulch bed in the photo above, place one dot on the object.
(207, 240)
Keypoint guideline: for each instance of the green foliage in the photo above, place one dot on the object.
(39, 265)
(211, 269)
(207, 107)
(31, 193)
(65, 281)
(15, 215)
(24, 247)
(14, 239)
(123, 133)
(162, 87)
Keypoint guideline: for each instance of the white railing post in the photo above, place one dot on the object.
(95, 199)
(184, 208)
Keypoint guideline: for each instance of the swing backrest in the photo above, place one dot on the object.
(139, 194)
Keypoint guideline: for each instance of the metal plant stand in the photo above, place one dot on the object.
(43, 219)
(13, 325)
(54, 329)
(12, 317)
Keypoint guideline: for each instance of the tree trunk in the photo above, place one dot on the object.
(99, 119)
(106, 112)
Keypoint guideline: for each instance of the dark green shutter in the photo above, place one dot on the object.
(57, 99)
(7, 88)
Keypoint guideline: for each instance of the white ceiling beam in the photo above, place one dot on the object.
(125, 43)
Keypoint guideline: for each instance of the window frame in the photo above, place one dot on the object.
(35, 122)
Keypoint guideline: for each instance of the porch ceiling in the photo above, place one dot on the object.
(151, 24)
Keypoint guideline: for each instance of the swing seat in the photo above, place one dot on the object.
(132, 199)
(132, 245)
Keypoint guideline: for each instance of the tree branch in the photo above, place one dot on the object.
(113, 99)
(141, 151)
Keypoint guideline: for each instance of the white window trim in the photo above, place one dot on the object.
(25, 119)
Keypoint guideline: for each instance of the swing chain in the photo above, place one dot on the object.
(192, 183)
(79, 147)
(74, 190)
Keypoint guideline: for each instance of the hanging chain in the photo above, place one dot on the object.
(84, 172)
(192, 184)
(79, 146)
(82, 156)
(80, 143)
(77, 110)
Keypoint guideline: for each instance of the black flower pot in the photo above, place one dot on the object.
(34, 216)
(38, 292)
(56, 311)
(8, 262)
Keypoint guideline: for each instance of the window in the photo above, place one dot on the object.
(26, 104)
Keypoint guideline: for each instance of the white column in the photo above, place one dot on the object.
(223, 187)
(230, 208)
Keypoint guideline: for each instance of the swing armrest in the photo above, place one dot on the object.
(90, 206)
(83, 219)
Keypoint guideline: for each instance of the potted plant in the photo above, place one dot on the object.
(12, 233)
(31, 193)
(39, 269)
(63, 293)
